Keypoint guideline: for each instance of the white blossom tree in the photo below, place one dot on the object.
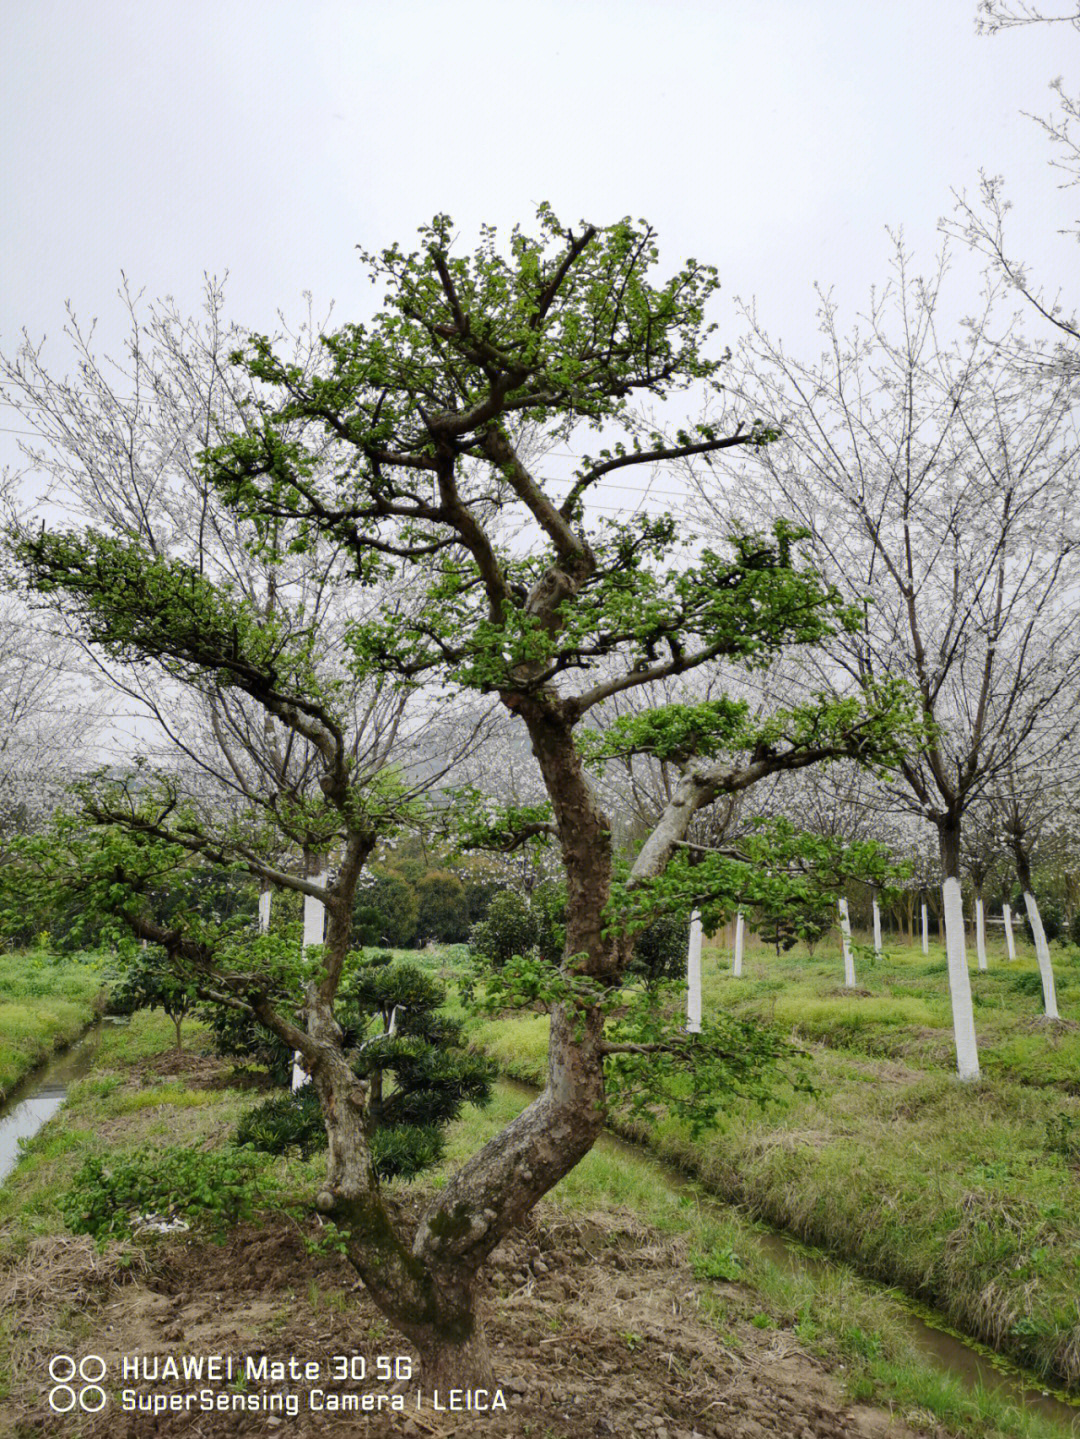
(937, 480)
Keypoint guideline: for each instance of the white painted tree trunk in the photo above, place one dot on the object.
(264, 910)
(1042, 954)
(314, 933)
(967, 1052)
(693, 977)
(877, 931)
(925, 932)
(845, 944)
(980, 932)
(1010, 943)
(736, 966)
(314, 916)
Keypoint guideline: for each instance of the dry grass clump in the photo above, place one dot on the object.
(67, 1269)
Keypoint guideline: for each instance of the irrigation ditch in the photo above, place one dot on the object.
(972, 1363)
(40, 1096)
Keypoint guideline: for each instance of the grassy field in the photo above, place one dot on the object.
(45, 1002)
(967, 1197)
(857, 1330)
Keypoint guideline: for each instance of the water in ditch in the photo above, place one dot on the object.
(35, 1099)
(975, 1366)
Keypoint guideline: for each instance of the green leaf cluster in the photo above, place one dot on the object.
(774, 868)
(692, 1076)
(215, 1188)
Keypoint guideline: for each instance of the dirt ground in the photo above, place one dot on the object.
(595, 1327)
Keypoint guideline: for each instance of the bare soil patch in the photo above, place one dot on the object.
(198, 1071)
(596, 1326)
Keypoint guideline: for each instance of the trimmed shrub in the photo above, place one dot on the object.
(389, 904)
(295, 1122)
(239, 1036)
(419, 1077)
(444, 909)
(660, 950)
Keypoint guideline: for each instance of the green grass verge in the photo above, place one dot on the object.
(828, 1309)
(858, 1329)
(967, 1197)
(45, 1003)
(115, 1108)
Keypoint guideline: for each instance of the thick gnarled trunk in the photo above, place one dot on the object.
(427, 1286)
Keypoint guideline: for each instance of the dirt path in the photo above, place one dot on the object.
(597, 1323)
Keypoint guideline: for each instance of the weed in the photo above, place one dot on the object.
(1063, 1134)
(718, 1264)
(219, 1187)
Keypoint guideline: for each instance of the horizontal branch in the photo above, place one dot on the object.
(645, 457)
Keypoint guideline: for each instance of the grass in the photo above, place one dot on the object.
(828, 1309)
(967, 1197)
(111, 1109)
(45, 1003)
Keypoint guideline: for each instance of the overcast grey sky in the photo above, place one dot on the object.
(268, 138)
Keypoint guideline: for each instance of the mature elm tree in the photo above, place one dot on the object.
(409, 449)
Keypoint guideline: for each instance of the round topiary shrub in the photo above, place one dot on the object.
(419, 1073)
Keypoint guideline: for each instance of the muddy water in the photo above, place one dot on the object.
(37, 1097)
(975, 1367)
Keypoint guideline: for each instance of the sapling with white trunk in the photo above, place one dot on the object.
(845, 943)
(980, 932)
(1022, 814)
(693, 976)
(936, 473)
(967, 1057)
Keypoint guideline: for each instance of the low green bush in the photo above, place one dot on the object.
(215, 1188)
(239, 1036)
(294, 1122)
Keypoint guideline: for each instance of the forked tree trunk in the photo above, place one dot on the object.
(427, 1285)
(967, 1051)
